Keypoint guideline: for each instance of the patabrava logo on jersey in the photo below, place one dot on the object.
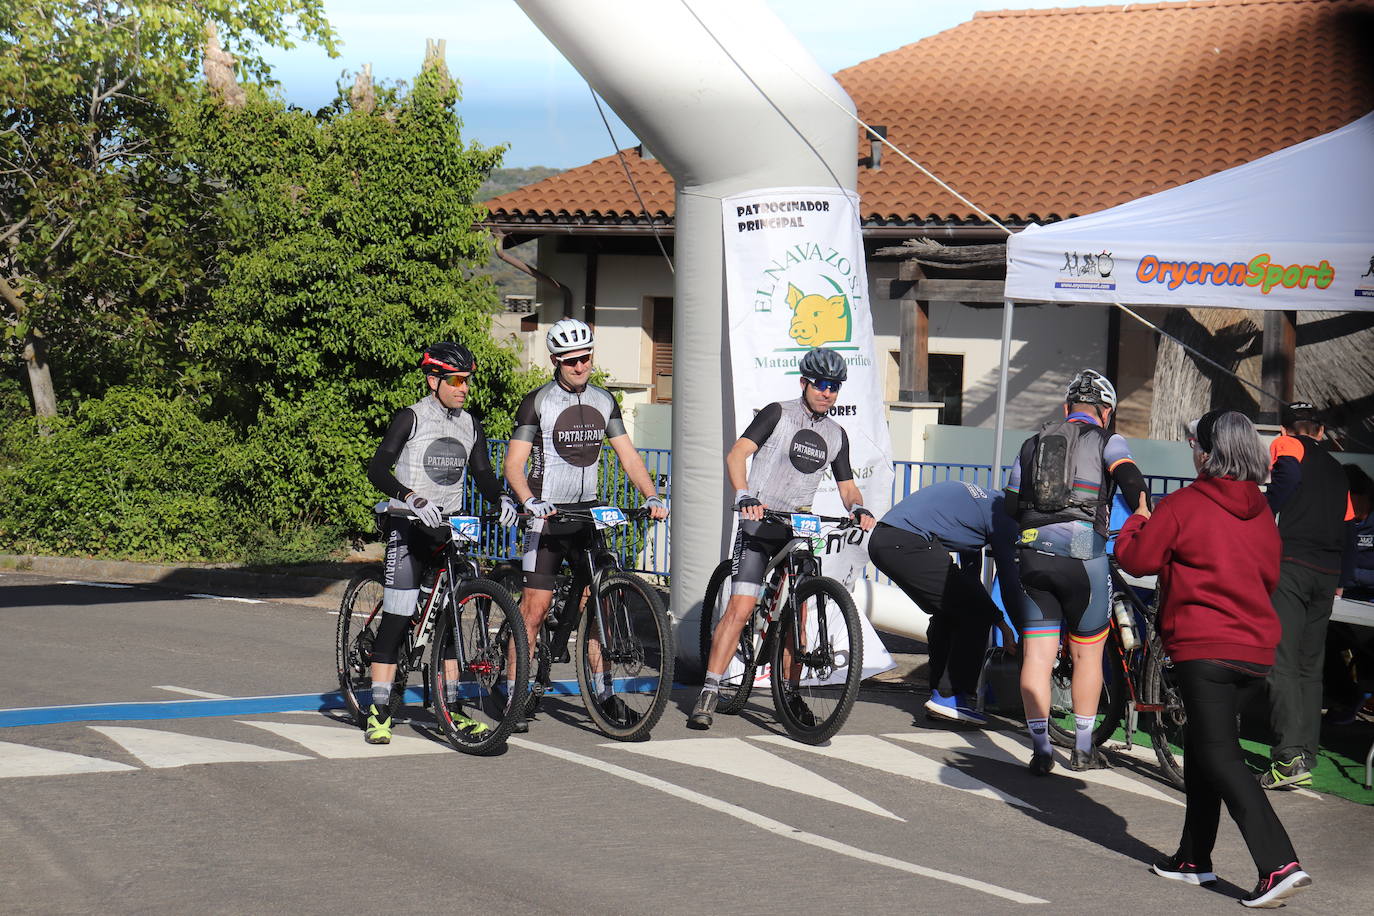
(444, 461)
(577, 435)
(795, 280)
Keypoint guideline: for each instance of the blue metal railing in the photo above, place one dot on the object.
(645, 548)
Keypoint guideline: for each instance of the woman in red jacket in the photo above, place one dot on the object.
(1216, 550)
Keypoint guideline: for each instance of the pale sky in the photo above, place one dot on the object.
(517, 88)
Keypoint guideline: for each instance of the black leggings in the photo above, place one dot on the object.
(960, 610)
(1214, 769)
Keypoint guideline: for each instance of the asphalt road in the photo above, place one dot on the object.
(169, 800)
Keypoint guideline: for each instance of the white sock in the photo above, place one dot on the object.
(1083, 732)
(1040, 734)
(712, 684)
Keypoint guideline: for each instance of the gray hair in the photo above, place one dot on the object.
(1236, 452)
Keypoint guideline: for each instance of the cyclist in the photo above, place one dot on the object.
(792, 443)
(1060, 493)
(560, 428)
(1310, 497)
(912, 545)
(431, 445)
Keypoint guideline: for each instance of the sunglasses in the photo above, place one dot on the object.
(824, 384)
(457, 381)
(574, 360)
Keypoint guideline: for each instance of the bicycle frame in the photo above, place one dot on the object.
(1132, 660)
(589, 567)
(794, 562)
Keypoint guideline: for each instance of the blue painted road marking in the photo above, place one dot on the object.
(237, 706)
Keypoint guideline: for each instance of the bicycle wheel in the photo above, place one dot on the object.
(479, 649)
(360, 613)
(1166, 732)
(1111, 706)
(738, 680)
(510, 577)
(628, 649)
(813, 703)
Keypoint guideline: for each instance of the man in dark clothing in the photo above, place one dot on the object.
(912, 546)
(1310, 497)
(1350, 682)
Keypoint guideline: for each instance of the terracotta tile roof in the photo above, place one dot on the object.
(1046, 114)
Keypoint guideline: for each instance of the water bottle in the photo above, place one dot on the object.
(1125, 621)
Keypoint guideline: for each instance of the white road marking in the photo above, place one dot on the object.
(998, 746)
(225, 598)
(736, 757)
(340, 743)
(162, 750)
(192, 693)
(95, 584)
(22, 760)
(872, 751)
(777, 828)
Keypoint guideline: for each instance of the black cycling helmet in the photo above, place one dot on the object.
(822, 363)
(446, 358)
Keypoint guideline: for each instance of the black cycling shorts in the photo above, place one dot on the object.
(755, 544)
(548, 541)
(1064, 590)
(410, 546)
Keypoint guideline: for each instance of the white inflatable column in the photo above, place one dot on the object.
(727, 99)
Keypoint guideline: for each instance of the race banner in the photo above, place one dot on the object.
(796, 279)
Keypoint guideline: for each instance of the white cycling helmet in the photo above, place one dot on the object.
(1091, 387)
(567, 335)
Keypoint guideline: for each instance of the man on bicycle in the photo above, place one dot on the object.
(1060, 493)
(421, 463)
(560, 428)
(792, 443)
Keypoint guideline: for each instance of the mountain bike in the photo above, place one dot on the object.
(624, 636)
(805, 627)
(471, 628)
(1137, 678)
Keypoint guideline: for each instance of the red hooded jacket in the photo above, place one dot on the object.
(1216, 550)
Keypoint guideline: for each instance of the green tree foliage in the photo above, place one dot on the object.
(350, 248)
(103, 216)
(131, 474)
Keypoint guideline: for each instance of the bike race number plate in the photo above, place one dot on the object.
(608, 516)
(806, 526)
(466, 529)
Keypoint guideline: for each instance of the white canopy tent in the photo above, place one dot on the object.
(1292, 230)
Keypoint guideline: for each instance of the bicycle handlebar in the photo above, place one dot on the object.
(582, 515)
(402, 512)
(778, 516)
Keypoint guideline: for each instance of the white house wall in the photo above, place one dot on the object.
(1049, 342)
(1048, 345)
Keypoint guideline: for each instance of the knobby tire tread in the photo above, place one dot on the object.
(511, 627)
(653, 605)
(826, 728)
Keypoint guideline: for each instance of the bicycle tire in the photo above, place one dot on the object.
(359, 616)
(735, 689)
(825, 707)
(508, 576)
(480, 624)
(1167, 727)
(641, 657)
(1111, 705)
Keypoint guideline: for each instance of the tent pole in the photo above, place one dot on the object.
(1000, 434)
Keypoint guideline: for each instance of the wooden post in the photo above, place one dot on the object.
(1278, 362)
(913, 373)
